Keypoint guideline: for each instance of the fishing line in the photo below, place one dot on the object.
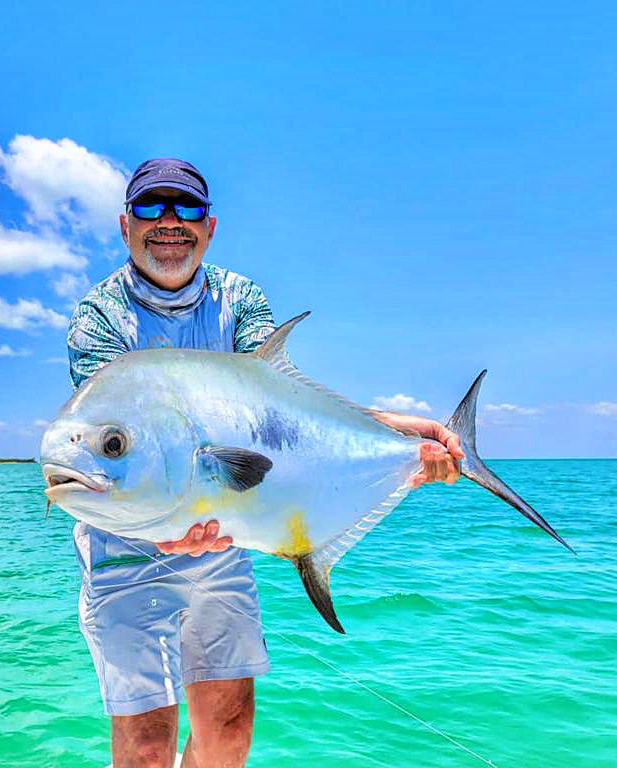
(318, 658)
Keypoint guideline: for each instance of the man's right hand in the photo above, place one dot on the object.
(198, 540)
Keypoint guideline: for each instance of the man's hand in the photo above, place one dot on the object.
(198, 540)
(439, 465)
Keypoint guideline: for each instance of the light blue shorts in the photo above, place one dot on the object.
(150, 631)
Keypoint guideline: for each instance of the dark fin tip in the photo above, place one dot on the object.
(239, 469)
(317, 587)
(463, 422)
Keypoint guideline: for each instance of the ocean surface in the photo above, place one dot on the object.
(459, 612)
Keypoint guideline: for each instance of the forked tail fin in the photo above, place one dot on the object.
(314, 567)
(463, 423)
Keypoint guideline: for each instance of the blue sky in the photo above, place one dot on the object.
(435, 181)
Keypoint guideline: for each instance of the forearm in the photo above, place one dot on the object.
(407, 424)
(416, 426)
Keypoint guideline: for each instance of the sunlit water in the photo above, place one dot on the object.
(456, 608)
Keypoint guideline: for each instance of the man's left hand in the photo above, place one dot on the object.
(199, 539)
(439, 465)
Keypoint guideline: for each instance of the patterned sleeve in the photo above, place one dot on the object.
(92, 342)
(254, 322)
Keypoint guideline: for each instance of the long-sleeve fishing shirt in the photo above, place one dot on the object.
(218, 310)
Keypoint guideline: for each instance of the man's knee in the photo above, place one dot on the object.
(221, 707)
(236, 719)
(148, 740)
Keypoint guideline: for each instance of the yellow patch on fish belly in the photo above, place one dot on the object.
(226, 501)
(117, 494)
(201, 509)
(297, 542)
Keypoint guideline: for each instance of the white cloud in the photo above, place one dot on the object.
(71, 287)
(41, 423)
(517, 410)
(7, 351)
(23, 252)
(604, 408)
(16, 429)
(58, 360)
(64, 183)
(29, 314)
(400, 402)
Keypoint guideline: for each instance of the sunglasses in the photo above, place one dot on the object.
(151, 209)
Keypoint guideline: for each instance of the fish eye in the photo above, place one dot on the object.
(114, 443)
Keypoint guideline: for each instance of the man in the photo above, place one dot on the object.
(151, 629)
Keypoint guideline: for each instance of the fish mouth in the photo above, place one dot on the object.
(61, 480)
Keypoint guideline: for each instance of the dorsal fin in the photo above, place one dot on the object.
(273, 352)
(273, 348)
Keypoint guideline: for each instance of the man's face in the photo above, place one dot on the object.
(167, 251)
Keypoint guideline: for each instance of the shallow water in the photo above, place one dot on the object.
(456, 608)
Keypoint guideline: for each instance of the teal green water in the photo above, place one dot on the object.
(456, 609)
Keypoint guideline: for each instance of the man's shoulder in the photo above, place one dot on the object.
(100, 329)
(238, 289)
(108, 292)
(221, 277)
(108, 301)
(104, 304)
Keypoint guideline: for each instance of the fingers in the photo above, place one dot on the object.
(451, 441)
(438, 466)
(445, 436)
(429, 428)
(453, 444)
(433, 429)
(198, 540)
(416, 480)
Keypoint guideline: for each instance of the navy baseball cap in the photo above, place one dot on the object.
(167, 172)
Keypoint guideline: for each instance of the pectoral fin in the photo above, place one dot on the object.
(316, 579)
(236, 468)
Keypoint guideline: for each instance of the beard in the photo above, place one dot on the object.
(168, 266)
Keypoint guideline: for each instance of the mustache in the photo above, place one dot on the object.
(169, 232)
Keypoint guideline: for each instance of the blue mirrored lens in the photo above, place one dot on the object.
(183, 212)
(189, 212)
(154, 211)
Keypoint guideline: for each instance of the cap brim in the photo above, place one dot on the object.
(169, 185)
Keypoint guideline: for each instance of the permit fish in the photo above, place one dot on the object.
(160, 439)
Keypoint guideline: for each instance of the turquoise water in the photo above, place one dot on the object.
(456, 609)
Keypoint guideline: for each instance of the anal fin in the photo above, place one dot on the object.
(315, 567)
(316, 579)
